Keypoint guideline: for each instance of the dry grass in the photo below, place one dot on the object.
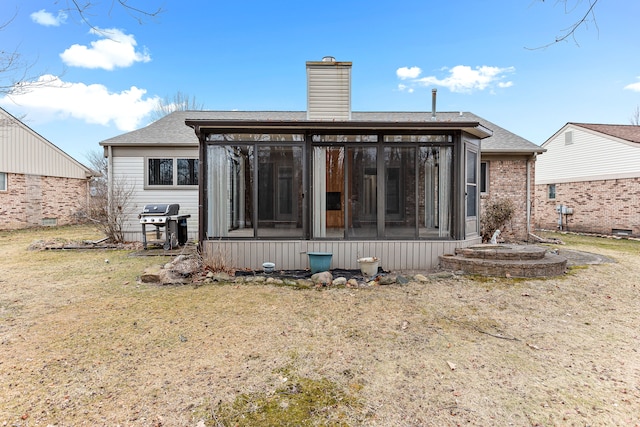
(82, 343)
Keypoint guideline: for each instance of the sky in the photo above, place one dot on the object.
(91, 79)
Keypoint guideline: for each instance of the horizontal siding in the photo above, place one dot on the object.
(328, 92)
(591, 156)
(132, 169)
(292, 255)
(23, 151)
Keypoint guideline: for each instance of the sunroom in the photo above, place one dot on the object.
(276, 190)
(276, 186)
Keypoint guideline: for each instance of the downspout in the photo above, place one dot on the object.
(109, 176)
(529, 197)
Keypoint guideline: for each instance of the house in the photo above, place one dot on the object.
(39, 183)
(589, 180)
(276, 185)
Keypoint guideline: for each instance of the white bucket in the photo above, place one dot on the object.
(369, 265)
(268, 267)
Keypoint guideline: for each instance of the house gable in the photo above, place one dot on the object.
(23, 151)
(580, 152)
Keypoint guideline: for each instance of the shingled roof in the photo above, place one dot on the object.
(171, 129)
(629, 133)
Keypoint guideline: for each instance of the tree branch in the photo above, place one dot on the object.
(570, 32)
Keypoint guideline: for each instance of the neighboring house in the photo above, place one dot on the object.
(589, 180)
(39, 183)
(403, 186)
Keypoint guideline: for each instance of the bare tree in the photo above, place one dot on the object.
(108, 206)
(586, 16)
(16, 74)
(179, 102)
(635, 117)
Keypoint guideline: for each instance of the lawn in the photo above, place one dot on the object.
(83, 343)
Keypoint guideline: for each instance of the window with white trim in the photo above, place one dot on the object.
(172, 172)
(551, 191)
(3, 181)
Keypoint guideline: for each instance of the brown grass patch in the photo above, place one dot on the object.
(82, 343)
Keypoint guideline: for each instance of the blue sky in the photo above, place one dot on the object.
(482, 56)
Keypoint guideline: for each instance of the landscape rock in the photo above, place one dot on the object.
(339, 281)
(151, 274)
(388, 279)
(420, 278)
(324, 278)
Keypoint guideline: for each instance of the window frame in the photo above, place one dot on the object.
(484, 177)
(4, 182)
(552, 192)
(175, 161)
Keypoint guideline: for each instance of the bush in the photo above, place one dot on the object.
(495, 216)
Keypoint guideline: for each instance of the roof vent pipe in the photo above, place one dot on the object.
(433, 103)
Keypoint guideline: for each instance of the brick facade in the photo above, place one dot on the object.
(598, 206)
(507, 179)
(34, 200)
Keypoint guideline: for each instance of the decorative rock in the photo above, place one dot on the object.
(221, 276)
(304, 283)
(388, 279)
(274, 281)
(151, 274)
(323, 278)
(420, 278)
(339, 281)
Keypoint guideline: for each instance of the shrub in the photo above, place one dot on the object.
(495, 216)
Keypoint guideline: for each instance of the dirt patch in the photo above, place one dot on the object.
(83, 343)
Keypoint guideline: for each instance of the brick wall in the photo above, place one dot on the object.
(508, 179)
(30, 199)
(598, 206)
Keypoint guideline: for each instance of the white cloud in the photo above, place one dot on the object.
(405, 88)
(47, 19)
(408, 73)
(461, 78)
(114, 49)
(633, 86)
(56, 99)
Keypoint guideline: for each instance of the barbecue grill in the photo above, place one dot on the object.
(165, 217)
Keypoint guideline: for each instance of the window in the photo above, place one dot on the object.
(3, 181)
(484, 177)
(472, 187)
(551, 191)
(172, 172)
(254, 186)
(568, 138)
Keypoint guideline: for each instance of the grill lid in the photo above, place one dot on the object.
(161, 209)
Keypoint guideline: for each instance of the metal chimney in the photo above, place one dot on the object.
(433, 103)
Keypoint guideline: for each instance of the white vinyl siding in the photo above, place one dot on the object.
(131, 170)
(329, 91)
(591, 156)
